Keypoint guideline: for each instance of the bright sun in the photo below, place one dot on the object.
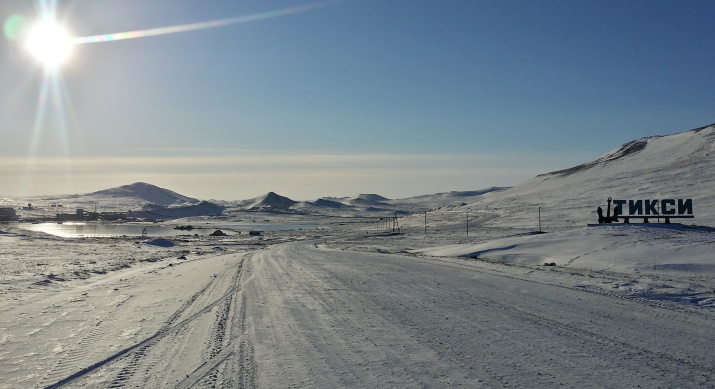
(50, 43)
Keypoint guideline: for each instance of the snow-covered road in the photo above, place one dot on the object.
(300, 315)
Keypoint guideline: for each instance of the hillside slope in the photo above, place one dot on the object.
(673, 166)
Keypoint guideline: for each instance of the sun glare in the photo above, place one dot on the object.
(50, 43)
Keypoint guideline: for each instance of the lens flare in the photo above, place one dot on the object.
(199, 26)
(49, 42)
(13, 26)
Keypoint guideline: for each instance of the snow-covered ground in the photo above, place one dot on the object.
(460, 290)
(313, 315)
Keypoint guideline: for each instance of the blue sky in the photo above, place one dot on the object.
(396, 97)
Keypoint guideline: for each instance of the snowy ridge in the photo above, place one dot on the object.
(627, 149)
(661, 147)
(450, 198)
(470, 193)
(154, 211)
(329, 204)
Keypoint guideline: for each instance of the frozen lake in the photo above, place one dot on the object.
(79, 230)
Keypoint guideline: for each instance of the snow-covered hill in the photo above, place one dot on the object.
(673, 166)
(269, 199)
(678, 166)
(147, 192)
(435, 201)
(369, 198)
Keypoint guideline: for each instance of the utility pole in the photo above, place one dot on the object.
(539, 219)
(467, 223)
(425, 222)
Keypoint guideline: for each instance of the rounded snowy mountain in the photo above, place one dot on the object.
(147, 192)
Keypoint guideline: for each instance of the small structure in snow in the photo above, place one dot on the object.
(161, 242)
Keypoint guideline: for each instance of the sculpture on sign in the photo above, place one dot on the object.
(601, 218)
(608, 218)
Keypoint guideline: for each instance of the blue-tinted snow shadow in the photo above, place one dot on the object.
(672, 226)
(476, 254)
(687, 267)
(700, 299)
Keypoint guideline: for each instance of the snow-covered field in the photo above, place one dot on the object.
(357, 303)
(312, 313)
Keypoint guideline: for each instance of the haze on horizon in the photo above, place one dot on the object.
(396, 97)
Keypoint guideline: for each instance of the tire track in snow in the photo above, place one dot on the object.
(207, 367)
(317, 333)
(85, 348)
(241, 372)
(141, 356)
(138, 350)
(480, 374)
(151, 365)
(225, 344)
(280, 341)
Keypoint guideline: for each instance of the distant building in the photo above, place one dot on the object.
(110, 216)
(72, 217)
(7, 214)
